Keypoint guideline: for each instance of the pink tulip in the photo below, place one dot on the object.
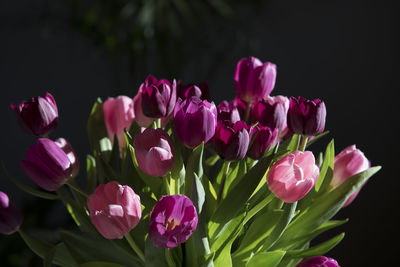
(118, 115)
(154, 152)
(293, 176)
(349, 162)
(114, 209)
(67, 148)
(141, 119)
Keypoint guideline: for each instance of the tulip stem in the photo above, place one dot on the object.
(248, 108)
(303, 143)
(158, 123)
(222, 185)
(168, 258)
(135, 247)
(77, 189)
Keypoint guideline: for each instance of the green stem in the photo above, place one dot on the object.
(135, 247)
(222, 185)
(303, 143)
(77, 189)
(158, 123)
(168, 258)
(246, 117)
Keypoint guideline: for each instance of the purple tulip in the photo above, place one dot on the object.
(141, 119)
(10, 215)
(228, 112)
(154, 152)
(231, 140)
(195, 121)
(201, 91)
(306, 117)
(67, 148)
(268, 113)
(47, 164)
(254, 79)
(172, 221)
(37, 116)
(158, 97)
(240, 105)
(284, 131)
(262, 139)
(318, 261)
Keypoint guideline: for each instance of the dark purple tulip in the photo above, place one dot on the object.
(240, 105)
(201, 91)
(306, 117)
(268, 113)
(231, 140)
(228, 112)
(158, 97)
(172, 221)
(10, 215)
(195, 121)
(47, 164)
(318, 261)
(67, 148)
(254, 79)
(262, 139)
(37, 116)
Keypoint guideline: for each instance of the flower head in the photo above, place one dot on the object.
(318, 261)
(231, 140)
(10, 215)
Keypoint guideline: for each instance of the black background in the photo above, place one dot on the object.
(344, 52)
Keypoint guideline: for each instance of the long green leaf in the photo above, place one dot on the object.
(263, 259)
(194, 167)
(96, 127)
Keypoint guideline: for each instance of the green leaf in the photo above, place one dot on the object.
(178, 171)
(264, 259)
(194, 166)
(100, 264)
(91, 180)
(328, 162)
(154, 256)
(289, 145)
(48, 259)
(209, 260)
(316, 138)
(38, 246)
(96, 127)
(234, 176)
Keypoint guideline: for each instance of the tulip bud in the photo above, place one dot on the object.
(228, 112)
(306, 117)
(118, 116)
(158, 97)
(194, 121)
(318, 261)
(262, 139)
(293, 176)
(240, 105)
(268, 114)
(284, 101)
(141, 119)
(172, 221)
(67, 148)
(186, 91)
(231, 140)
(349, 162)
(47, 164)
(254, 79)
(114, 209)
(37, 116)
(10, 215)
(154, 152)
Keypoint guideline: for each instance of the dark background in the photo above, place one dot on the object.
(344, 52)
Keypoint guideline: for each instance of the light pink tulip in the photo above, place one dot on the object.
(141, 119)
(114, 209)
(349, 162)
(154, 152)
(293, 176)
(118, 115)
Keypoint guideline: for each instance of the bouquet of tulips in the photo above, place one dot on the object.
(174, 180)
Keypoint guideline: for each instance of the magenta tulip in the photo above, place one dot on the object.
(67, 148)
(114, 209)
(254, 79)
(349, 162)
(186, 91)
(284, 131)
(240, 105)
(227, 111)
(154, 152)
(172, 221)
(231, 141)
(10, 215)
(262, 140)
(141, 119)
(318, 261)
(37, 116)
(293, 176)
(268, 113)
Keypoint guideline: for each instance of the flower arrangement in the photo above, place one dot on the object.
(174, 180)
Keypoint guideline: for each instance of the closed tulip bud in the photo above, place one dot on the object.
(114, 209)
(231, 140)
(141, 119)
(201, 91)
(154, 152)
(10, 215)
(172, 221)
(240, 105)
(47, 164)
(67, 148)
(195, 121)
(269, 113)
(228, 112)
(254, 79)
(293, 176)
(158, 97)
(118, 116)
(283, 129)
(349, 162)
(306, 117)
(262, 139)
(318, 261)
(37, 116)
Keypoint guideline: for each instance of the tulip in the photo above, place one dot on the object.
(114, 209)
(284, 131)
(118, 116)
(10, 215)
(231, 140)
(293, 176)
(172, 221)
(47, 164)
(158, 97)
(240, 105)
(254, 79)
(349, 162)
(306, 117)
(262, 139)
(268, 114)
(154, 152)
(186, 91)
(194, 121)
(227, 111)
(67, 148)
(141, 119)
(37, 116)
(318, 261)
